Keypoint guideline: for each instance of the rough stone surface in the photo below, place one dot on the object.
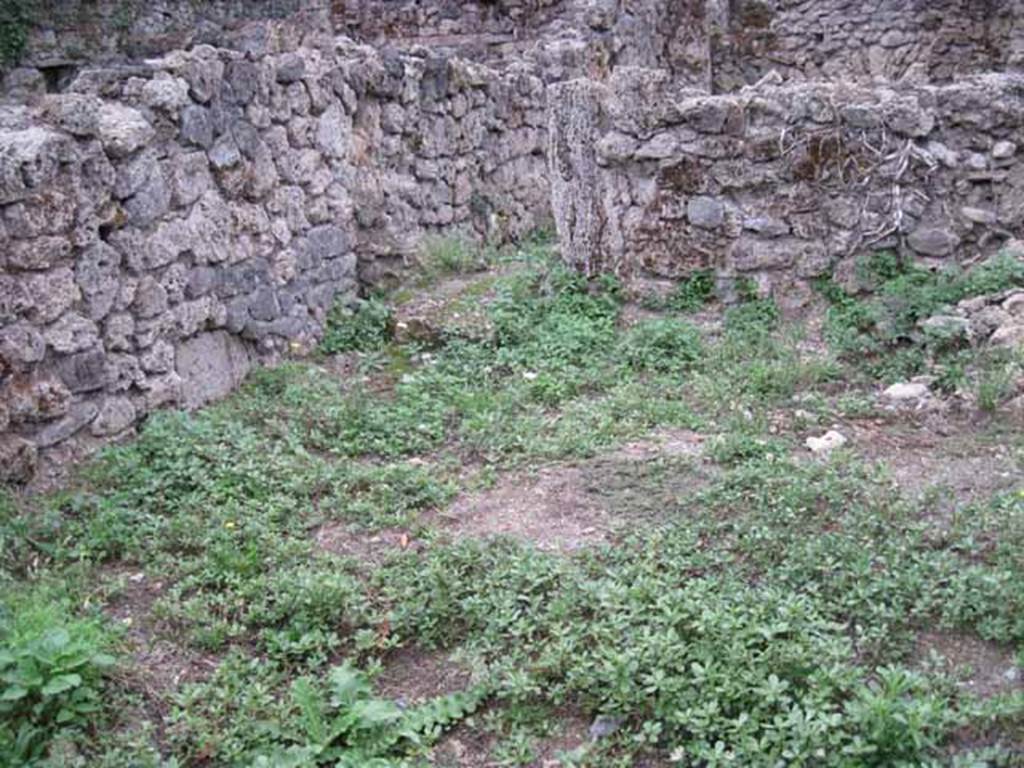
(780, 184)
(857, 41)
(116, 415)
(906, 391)
(199, 189)
(991, 320)
(18, 458)
(826, 443)
(1011, 336)
(166, 225)
(210, 366)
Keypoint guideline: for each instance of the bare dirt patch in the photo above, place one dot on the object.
(415, 675)
(956, 462)
(475, 748)
(982, 668)
(370, 548)
(569, 506)
(159, 665)
(412, 676)
(455, 306)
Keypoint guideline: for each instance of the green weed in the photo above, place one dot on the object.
(883, 332)
(448, 255)
(662, 345)
(367, 328)
(694, 292)
(52, 666)
(758, 612)
(347, 727)
(16, 19)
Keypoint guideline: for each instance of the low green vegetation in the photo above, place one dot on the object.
(51, 668)
(765, 610)
(883, 332)
(444, 255)
(363, 328)
(16, 18)
(343, 724)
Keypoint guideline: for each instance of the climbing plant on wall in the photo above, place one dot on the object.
(15, 19)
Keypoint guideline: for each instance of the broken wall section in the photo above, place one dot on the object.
(66, 36)
(863, 40)
(165, 226)
(564, 39)
(783, 185)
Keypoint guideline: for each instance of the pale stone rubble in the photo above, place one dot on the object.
(995, 320)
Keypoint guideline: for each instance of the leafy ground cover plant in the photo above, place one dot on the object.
(347, 727)
(364, 329)
(52, 666)
(882, 331)
(765, 612)
(16, 19)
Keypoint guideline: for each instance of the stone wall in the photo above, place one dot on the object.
(863, 39)
(165, 226)
(454, 22)
(712, 44)
(83, 32)
(564, 38)
(783, 184)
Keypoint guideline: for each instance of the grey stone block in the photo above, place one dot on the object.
(210, 366)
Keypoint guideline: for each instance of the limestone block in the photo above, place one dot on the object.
(150, 198)
(705, 212)
(197, 126)
(123, 372)
(38, 254)
(18, 459)
(80, 416)
(115, 416)
(118, 332)
(21, 344)
(72, 333)
(575, 110)
(190, 178)
(750, 254)
(51, 294)
(36, 397)
(49, 212)
(933, 240)
(333, 133)
(323, 242)
(159, 358)
(168, 94)
(1004, 150)
(204, 73)
(122, 130)
(224, 153)
(242, 79)
(151, 298)
(30, 159)
(83, 372)
(1011, 336)
(291, 67)
(210, 366)
(75, 113)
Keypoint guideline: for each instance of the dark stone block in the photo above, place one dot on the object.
(84, 372)
(197, 126)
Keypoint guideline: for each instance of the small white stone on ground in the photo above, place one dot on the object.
(906, 391)
(1008, 336)
(826, 443)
